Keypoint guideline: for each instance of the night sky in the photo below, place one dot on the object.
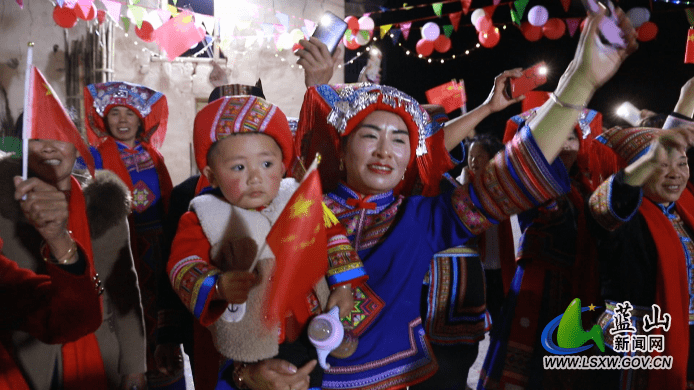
(650, 78)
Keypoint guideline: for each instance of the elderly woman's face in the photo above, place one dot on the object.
(377, 153)
(123, 124)
(52, 161)
(669, 180)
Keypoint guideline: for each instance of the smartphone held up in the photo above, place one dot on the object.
(330, 30)
(531, 78)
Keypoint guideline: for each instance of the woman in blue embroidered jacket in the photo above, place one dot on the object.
(378, 136)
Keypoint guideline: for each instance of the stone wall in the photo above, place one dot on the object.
(184, 83)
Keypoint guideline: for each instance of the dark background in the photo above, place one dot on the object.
(650, 78)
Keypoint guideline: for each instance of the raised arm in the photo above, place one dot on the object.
(459, 128)
(594, 63)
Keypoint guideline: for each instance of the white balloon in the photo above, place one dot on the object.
(284, 41)
(476, 14)
(538, 16)
(366, 23)
(430, 31)
(362, 38)
(638, 16)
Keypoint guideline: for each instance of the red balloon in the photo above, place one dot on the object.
(442, 44)
(425, 47)
(101, 16)
(146, 32)
(489, 38)
(554, 28)
(530, 32)
(64, 17)
(91, 14)
(352, 23)
(647, 32)
(483, 24)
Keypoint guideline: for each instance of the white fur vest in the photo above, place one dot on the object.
(228, 229)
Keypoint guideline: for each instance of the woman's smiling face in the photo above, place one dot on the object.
(377, 153)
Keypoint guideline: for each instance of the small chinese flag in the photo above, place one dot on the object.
(48, 119)
(299, 243)
(689, 52)
(178, 34)
(450, 95)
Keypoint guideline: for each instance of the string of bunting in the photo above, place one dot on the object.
(173, 30)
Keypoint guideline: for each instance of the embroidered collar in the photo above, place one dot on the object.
(350, 199)
(668, 210)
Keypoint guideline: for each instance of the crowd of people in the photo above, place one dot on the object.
(107, 269)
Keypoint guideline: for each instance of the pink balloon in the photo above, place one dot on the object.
(425, 47)
(489, 38)
(483, 24)
(352, 23)
(554, 28)
(530, 32)
(442, 44)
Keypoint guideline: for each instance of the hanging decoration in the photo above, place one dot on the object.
(366, 23)
(437, 7)
(466, 5)
(530, 32)
(638, 16)
(554, 28)
(647, 32)
(64, 17)
(476, 14)
(145, 31)
(490, 37)
(517, 10)
(538, 15)
(455, 19)
(572, 25)
(425, 47)
(430, 31)
(442, 44)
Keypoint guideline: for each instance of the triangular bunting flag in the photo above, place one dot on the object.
(61, 3)
(172, 10)
(284, 19)
(396, 35)
(520, 5)
(455, 19)
(243, 24)
(572, 25)
(465, 4)
(137, 13)
(310, 26)
(566, 4)
(447, 30)
(112, 8)
(437, 8)
(126, 23)
(489, 10)
(515, 18)
(178, 34)
(690, 16)
(405, 27)
(383, 9)
(496, 2)
(164, 15)
(384, 29)
(280, 28)
(267, 29)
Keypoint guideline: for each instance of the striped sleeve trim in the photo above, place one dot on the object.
(601, 206)
(189, 278)
(518, 179)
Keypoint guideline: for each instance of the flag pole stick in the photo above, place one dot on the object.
(27, 113)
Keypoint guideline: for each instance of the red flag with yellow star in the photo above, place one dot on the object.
(298, 241)
(48, 119)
